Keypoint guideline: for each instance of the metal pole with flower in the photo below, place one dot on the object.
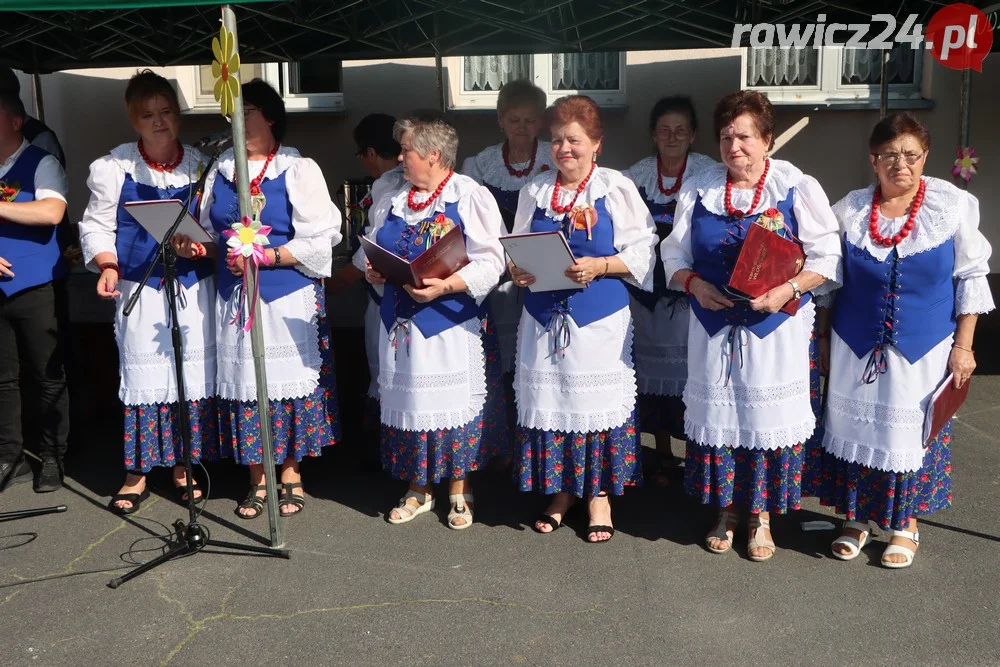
(250, 236)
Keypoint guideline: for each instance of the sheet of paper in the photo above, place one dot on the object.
(157, 216)
(544, 255)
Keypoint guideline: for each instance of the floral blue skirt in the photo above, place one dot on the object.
(583, 464)
(427, 457)
(889, 498)
(760, 479)
(496, 423)
(661, 413)
(300, 427)
(153, 434)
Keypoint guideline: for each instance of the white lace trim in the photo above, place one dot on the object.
(751, 397)
(711, 186)
(882, 416)
(936, 221)
(308, 253)
(480, 279)
(308, 350)
(493, 171)
(644, 174)
(128, 159)
(601, 182)
(866, 455)
(566, 421)
(458, 186)
(829, 266)
(640, 260)
(973, 296)
(787, 436)
(283, 159)
(474, 379)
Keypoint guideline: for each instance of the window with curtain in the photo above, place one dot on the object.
(774, 66)
(312, 85)
(586, 71)
(864, 66)
(489, 73)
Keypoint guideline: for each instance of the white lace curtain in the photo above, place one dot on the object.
(491, 72)
(585, 71)
(864, 65)
(570, 71)
(774, 66)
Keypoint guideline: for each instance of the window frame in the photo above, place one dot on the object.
(277, 75)
(541, 75)
(831, 91)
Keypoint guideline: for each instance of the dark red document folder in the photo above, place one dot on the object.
(766, 260)
(943, 406)
(442, 259)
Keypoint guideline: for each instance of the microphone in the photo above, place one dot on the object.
(217, 141)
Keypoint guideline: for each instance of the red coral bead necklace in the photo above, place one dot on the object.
(757, 194)
(255, 183)
(672, 190)
(420, 206)
(896, 239)
(519, 173)
(162, 166)
(556, 191)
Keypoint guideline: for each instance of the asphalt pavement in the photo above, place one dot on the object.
(359, 591)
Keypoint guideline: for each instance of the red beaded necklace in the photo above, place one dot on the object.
(412, 203)
(668, 192)
(255, 183)
(908, 226)
(519, 173)
(757, 194)
(580, 188)
(162, 166)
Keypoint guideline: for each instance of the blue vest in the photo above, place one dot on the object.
(663, 216)
(906, 302)
(604, 296)
(32, 250)
(274, 282)
(507, 201)
(136, 248)
(716, 241)
(431, 318)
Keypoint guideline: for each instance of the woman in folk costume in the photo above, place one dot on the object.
(661, 316)
(504, 169)
(575, 385)
(158, 166)
(432, 368)
(747, 397)
(288, 194)
(915, 267)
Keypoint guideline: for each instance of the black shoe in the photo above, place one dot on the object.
(9, 472)
(50, 477)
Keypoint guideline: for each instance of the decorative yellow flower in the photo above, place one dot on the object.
(225, 67)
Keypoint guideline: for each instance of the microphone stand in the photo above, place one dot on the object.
(195, 537)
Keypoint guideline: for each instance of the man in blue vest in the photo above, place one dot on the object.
(32, 203)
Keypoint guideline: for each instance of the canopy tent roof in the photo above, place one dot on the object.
(49, 35)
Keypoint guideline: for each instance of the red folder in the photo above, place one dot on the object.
(943, 405)
(766, 260)
(442, 259)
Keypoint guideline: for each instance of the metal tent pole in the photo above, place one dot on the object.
(256, 334)
(964, 114)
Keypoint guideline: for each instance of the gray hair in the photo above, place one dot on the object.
(429, 134)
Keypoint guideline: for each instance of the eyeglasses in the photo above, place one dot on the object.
(678, 133)
(249, 110)
(893, 159)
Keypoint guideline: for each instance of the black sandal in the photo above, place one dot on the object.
(135, 498)
(289, 499)
(593, 530)
(551, 521)
(180, 491)
(252, 502)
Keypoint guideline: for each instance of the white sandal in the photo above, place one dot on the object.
(853, 545)
(409, 512)
(721, 531)
(461, 507)
(757, 527)
(894, 549)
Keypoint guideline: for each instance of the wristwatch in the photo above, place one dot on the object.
(795, 289)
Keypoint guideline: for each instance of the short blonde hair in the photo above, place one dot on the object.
(429, 133)
(144, 86)
(520, 93)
